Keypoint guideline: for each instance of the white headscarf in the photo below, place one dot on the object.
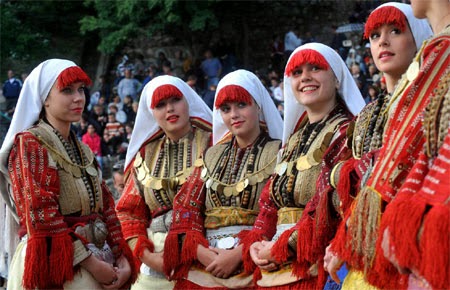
(420, 28)
(347, 88)
(146, 125)
(31, 100)
(250, 82)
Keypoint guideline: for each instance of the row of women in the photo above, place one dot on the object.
(254, 202)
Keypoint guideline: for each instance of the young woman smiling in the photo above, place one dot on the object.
(299, 208)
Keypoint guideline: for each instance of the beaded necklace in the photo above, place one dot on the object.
(78, 157)
(282, 186)
(225, 184)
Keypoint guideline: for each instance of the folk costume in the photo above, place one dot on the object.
(65, 209)
(221, 197)
(402, 141)
(350, 176)
(298, 207)
(418, 219)
(156, 168)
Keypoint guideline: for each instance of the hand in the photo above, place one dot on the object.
(226, 262)
(153, 260)
(103, 272)
(258, 252)
(332, 263)
(205, 256)
(123, 271)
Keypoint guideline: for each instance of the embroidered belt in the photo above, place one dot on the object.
(161, 224)
(289, 215)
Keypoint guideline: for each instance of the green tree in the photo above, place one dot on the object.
(118, 22)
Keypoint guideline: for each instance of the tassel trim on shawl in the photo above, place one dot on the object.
(177, 263)
(141, 244)
(44, 271)
(415, 219)
(247, 238)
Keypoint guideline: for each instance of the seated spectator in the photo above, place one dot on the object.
(121, 116)
(93, 141)
(113, 133)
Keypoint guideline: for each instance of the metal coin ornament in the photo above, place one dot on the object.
(413, 71)
(92, 171)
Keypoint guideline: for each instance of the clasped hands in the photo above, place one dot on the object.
(260, 253)
(219, 262)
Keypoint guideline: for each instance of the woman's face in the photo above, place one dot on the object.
(172, 115)
(241, 118)
(392, 50)
(65, 105)
(314, 87)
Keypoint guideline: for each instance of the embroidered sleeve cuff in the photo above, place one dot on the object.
(80, 252)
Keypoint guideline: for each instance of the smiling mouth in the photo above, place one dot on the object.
(309, 89)
(385, 54)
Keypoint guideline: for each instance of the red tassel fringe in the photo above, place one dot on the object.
(347, 183)
(247, 238)
(231, 94)
(280, 250)
(177, 263)
(164, 92)
(430, 256)
(142, 244)
(382, 16)
(52, 272)
(308, 56)
(72, 75)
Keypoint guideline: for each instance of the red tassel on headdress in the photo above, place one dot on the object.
(309, 56)
(164, 92)
(385, 15)
(72, 75)
(233, 93)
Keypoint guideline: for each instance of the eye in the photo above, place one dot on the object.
(396, 31)
(242, 104)
(161, 104)
(225, 108)
(315, 68)
(297, 72)
(81, 89)
(175, 99)
(374, 35)
(67, 90)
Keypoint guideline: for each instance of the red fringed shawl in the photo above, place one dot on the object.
(50, 252)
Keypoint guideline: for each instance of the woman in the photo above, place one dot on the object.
(415, 227)
(393, 46)
(299, 209)
(172, 131)
(221, 197)
(71, 236)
